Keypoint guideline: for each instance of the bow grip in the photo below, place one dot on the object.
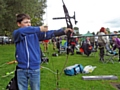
(69, 34)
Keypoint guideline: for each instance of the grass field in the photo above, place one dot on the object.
(49, 79)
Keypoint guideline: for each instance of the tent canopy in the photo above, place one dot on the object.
(88, 34)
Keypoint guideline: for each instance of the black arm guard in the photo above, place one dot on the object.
(59, 33)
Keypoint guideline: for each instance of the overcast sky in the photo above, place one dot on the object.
(90, 14)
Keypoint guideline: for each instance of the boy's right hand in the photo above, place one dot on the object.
(43, 28)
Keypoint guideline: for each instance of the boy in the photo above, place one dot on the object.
(28, 55)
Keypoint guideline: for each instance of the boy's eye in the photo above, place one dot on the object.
(27, 22)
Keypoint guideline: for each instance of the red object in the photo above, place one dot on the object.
(46, 41)
(81, 50)
(73, 43)
(90, 47)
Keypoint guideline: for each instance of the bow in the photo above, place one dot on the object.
(69, 24)
(69, 33)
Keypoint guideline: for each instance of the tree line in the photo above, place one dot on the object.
(9, 9)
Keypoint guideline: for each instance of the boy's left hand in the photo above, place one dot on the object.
(68, 29)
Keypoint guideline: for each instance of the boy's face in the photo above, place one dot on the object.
(24, 23)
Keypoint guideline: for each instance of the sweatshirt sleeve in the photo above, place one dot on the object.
(50, 33)
(20, 33)
(117, 42)
(59, 32)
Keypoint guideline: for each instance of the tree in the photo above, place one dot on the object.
(76, 30)
(2, 12)
(9, 8)
(108, 30)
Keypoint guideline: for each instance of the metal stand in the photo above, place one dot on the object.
(101, 77)
(119, 54)
(57, 84)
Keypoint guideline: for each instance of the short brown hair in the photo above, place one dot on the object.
(22, 16)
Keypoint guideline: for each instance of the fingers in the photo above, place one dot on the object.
(43, 28)
(68, 29)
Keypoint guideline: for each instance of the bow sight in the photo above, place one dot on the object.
(73, 17)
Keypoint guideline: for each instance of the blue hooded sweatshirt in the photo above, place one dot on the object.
(27, 44)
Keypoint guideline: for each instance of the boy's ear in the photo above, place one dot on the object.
(18, 24)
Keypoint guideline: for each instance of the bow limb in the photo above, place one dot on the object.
(48, 69)
(69, 33)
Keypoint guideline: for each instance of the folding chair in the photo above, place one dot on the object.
(110, 57)
(93, 52)
(63, 47)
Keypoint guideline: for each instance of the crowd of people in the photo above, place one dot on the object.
(61, 41)
(100, 41)
(106, 43)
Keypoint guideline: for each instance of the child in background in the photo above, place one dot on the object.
(45, 43)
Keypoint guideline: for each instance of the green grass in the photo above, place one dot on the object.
(48, 79)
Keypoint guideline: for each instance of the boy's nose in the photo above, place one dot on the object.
(29, 24)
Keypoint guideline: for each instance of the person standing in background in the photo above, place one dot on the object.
(54, 42)
(102, 40)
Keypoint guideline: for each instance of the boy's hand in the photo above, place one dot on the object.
(43, 28)
(68, 29)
